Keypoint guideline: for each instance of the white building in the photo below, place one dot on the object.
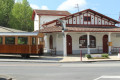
(87, 30)
(42, 16)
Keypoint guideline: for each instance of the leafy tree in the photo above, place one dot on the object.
(5, 10)
(20, 17)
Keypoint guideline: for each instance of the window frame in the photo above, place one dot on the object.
(84, 45)
(33, 41)
(87, 18)
(10, 41)
(1, 40)
(22, 37)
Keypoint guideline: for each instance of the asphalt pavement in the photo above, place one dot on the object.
(54, 59)
(61, 71)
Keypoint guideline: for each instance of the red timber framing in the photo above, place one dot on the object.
(97, 17)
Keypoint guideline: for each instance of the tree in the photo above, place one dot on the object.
(20, 17)
(5, 10)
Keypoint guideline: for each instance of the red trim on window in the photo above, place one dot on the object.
(72, 19)
(97, 20)
(76, 19)
(83, 19)
(79, 19)
(91, 19)
(94, 19)
(87, 18)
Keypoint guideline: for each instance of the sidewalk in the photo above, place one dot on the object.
(85, 59)
(54, 59)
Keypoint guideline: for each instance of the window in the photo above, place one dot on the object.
(87, 18)
(41, 39)
(83, 41)
(33, 41)
(22, 40)
(1, 40)
(9, 40)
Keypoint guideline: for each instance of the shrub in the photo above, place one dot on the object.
(105, 55)
(88, 56)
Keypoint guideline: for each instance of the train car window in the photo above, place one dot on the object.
(33, 41)
(9, 40)
(1, 40)
(22, 40)
(40, 39)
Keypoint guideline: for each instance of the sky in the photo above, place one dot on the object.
(110, 8)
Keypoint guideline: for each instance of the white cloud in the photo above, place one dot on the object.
(71, 4)
(94, 8)
(44, 7)
(34, 6)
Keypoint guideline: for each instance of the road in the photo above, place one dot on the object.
(61, 71)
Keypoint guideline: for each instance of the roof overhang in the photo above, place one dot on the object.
(18, 33)
(80, 29)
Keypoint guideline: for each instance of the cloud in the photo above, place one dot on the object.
(37, 7)
(34, 6)
(94, 8)
(44, 7)
(71, 4)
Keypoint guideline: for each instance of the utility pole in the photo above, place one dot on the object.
(77, 6)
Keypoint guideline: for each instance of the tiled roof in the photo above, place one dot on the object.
(80, 29)
(52, 12)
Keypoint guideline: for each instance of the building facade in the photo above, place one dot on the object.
(42, 16)
(88, 30)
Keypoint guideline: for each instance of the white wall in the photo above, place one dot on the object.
(95, 19)
(43, 19)
(75, 43)
(58, 42)
(36, 23)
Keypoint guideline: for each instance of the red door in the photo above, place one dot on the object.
(51, 42)
(105, 43)
(69, 44)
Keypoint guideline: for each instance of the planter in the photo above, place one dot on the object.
(97, 56)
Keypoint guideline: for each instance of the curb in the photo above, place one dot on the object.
(59, 61)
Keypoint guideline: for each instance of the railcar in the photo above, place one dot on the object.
(23, 43)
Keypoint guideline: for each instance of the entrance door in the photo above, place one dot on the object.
(69, 44)
(51, 42)
(105, 43)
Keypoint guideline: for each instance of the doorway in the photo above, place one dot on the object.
(105, 44)
(69, 44)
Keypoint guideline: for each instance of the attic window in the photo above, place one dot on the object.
(87, 18)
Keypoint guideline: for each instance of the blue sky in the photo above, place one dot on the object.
(109, 8)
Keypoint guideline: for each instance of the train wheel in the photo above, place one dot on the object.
(25, 55)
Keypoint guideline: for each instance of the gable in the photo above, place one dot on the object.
(89, 17)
